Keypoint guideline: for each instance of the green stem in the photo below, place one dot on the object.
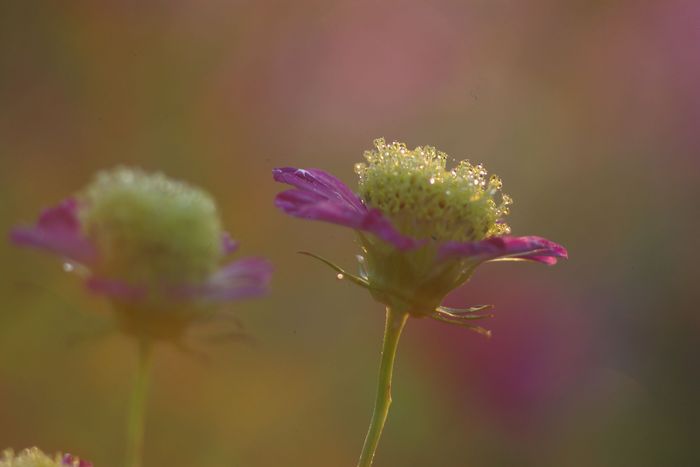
(392, 331)
(137, 408)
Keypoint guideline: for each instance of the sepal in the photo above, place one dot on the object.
(342, 273)
(443, 315)
(462, 311)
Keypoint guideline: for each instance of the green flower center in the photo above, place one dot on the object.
(426, 200)
(151, 229)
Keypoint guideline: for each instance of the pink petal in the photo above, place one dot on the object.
(530, 247)
(72, 461)
(248, 277)
(228, 244)
(319, 182)
(320, 196)
(58, 230)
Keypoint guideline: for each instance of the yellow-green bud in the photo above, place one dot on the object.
(426, 200)
(150, 229)
(30, 458)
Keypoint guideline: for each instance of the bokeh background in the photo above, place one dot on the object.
(588, 110)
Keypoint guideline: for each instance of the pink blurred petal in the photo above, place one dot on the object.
(228, 244)
(58, 230)
(244, 278)
(73, 461)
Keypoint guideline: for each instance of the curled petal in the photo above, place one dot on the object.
(464, 311)
(530, 248)
(320, 196)
(58, 231)
(462, 321)
(244, 278)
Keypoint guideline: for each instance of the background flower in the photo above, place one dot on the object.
(152, 245)
(33, 457)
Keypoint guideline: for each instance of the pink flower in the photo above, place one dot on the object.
(149, 244)
(423, 229)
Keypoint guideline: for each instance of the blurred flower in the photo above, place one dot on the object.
(150, 244)
(526, 378)
(33, 457)
(429, 227)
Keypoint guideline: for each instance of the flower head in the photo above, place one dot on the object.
(425, 200)
(152, 245)
(151, 229)
(423, 228)
(33, 457)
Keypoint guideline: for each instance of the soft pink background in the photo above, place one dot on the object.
(588, 110)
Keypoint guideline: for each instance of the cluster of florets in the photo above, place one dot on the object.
(424, 199)
(33, 457)
(151, 229)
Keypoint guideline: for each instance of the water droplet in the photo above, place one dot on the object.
(68, 267)
(432, 180)
(340, 276)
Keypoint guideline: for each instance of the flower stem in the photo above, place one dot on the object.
(137, 412)
(394, 325)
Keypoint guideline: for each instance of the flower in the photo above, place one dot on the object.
(423, 228)
(33, 457)
(150, 244)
